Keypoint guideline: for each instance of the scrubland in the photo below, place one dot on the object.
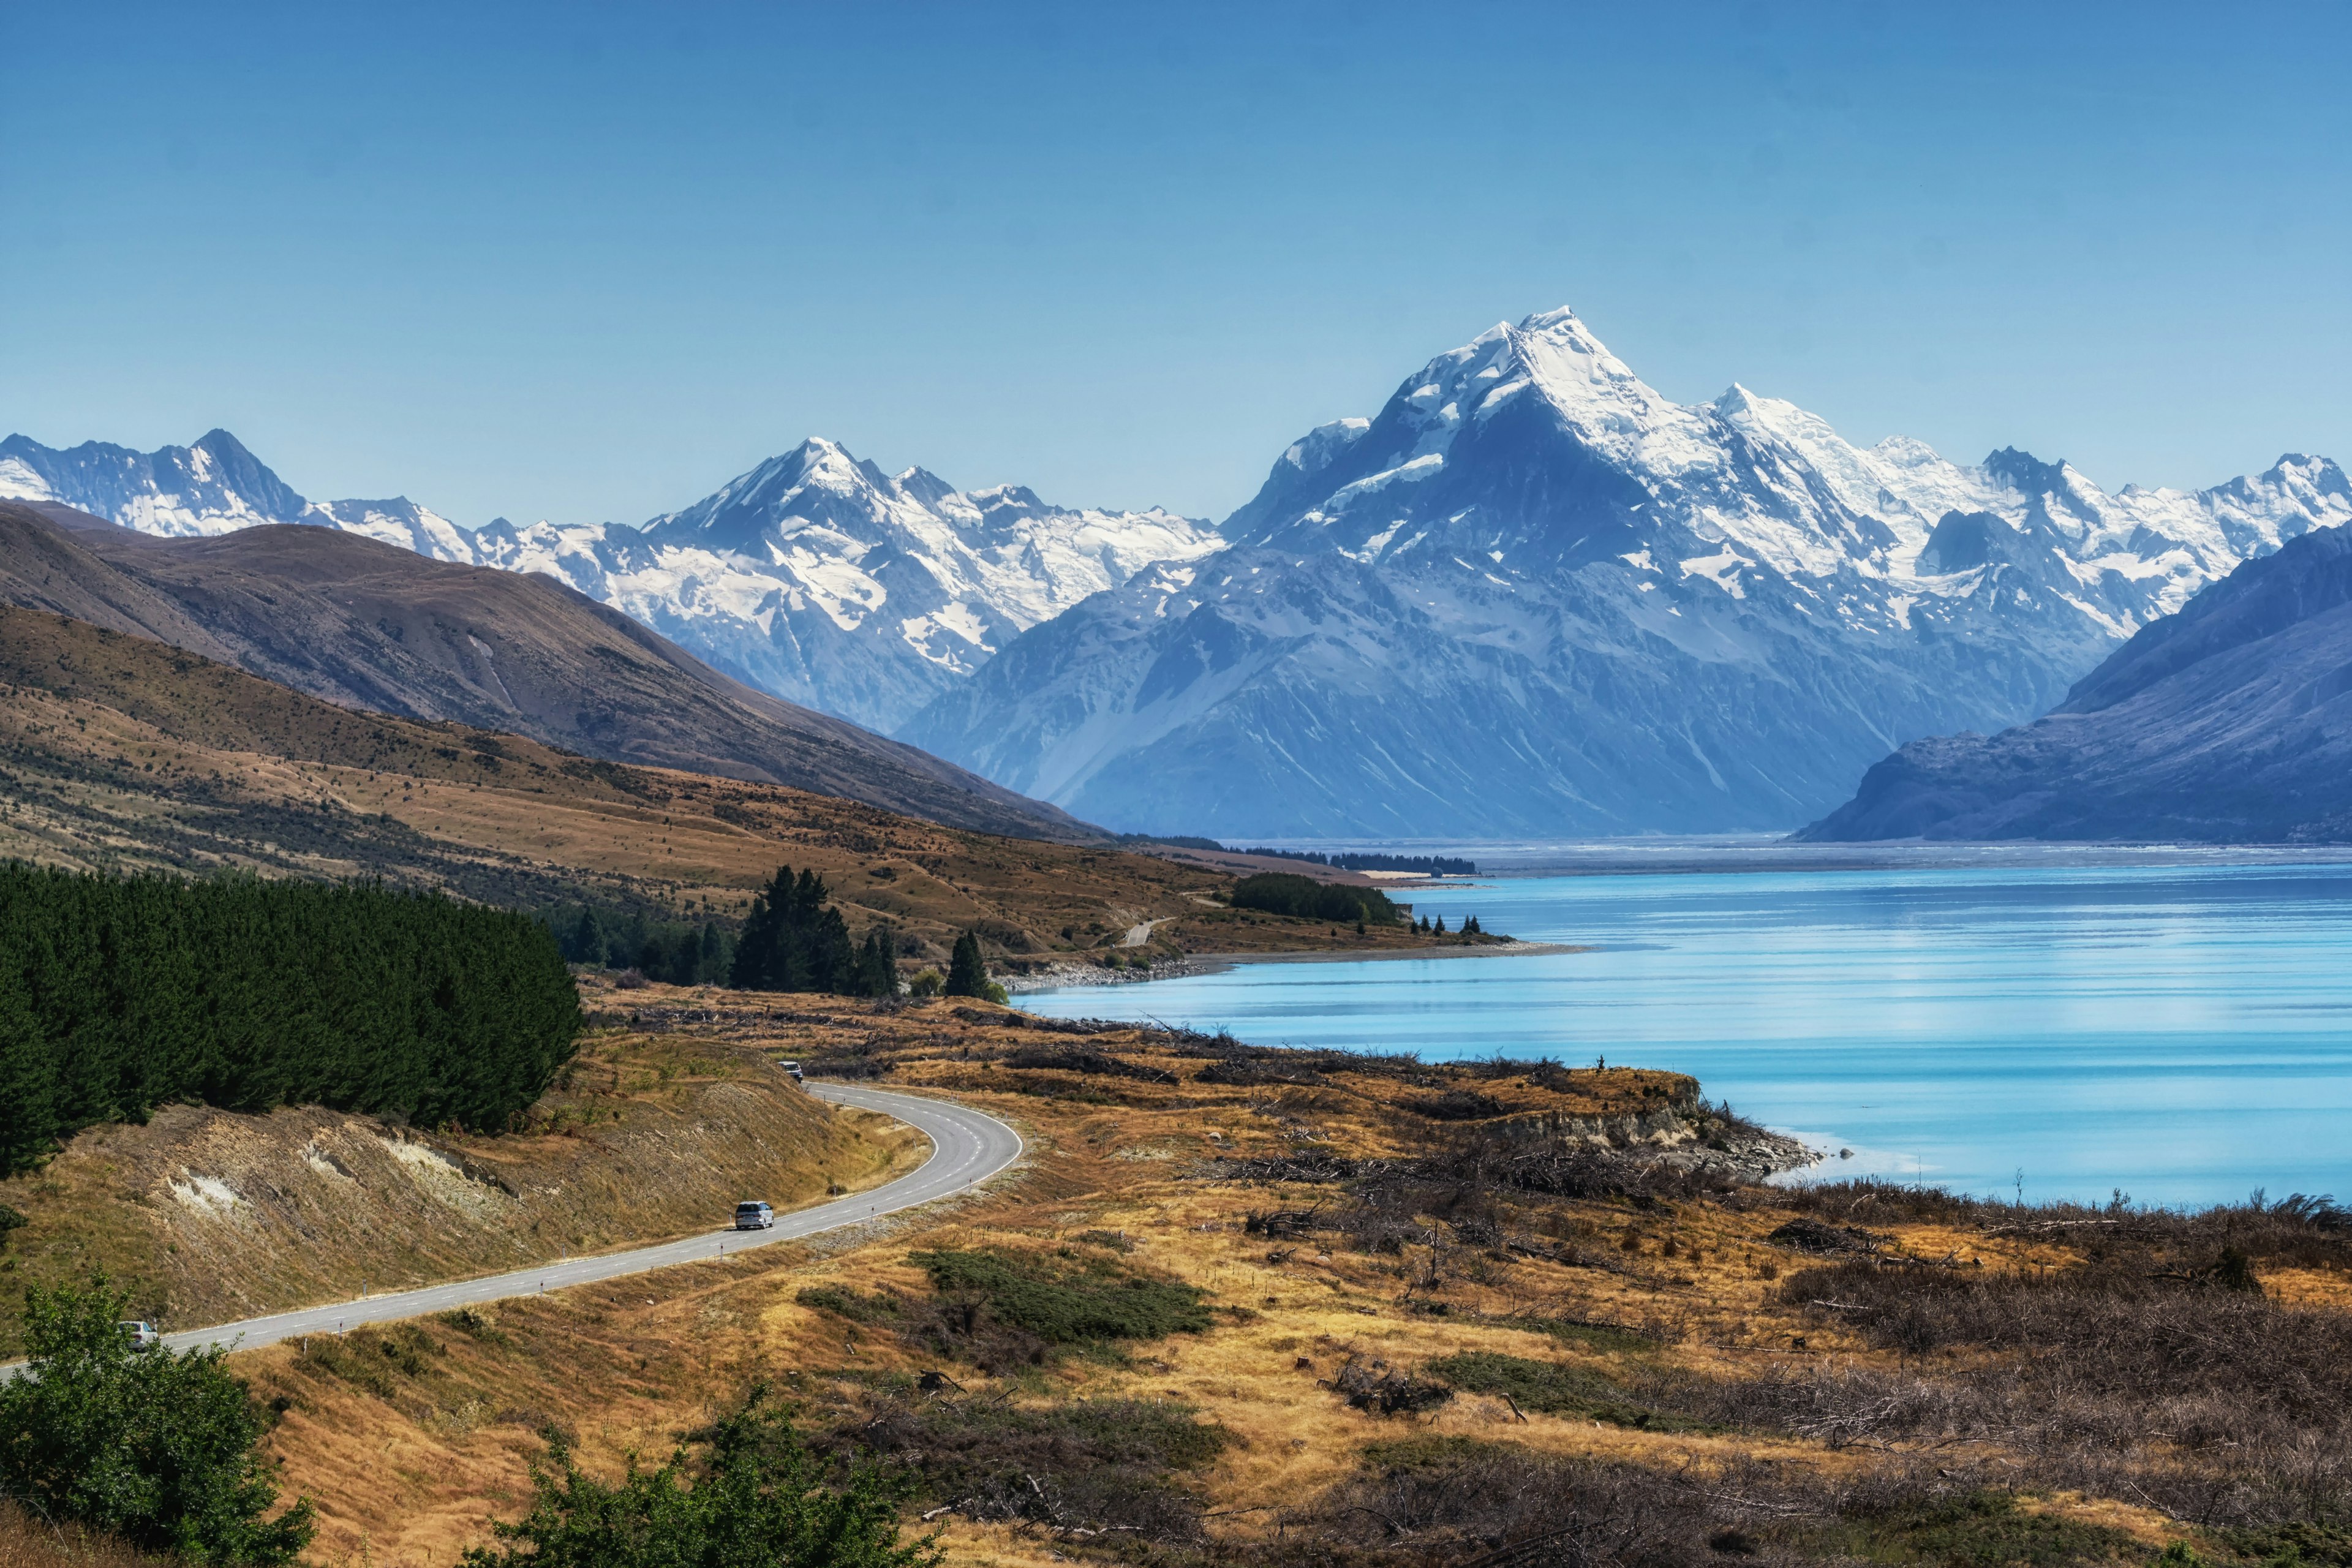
(1247, 1305)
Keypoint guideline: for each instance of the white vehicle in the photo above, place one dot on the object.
(142, 1335)
(754, 1217)
(794, 1069)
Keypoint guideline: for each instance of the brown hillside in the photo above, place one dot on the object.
(120, 754)
(369, 625)
(208, 1215)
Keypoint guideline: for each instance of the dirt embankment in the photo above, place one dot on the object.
(210, 1216)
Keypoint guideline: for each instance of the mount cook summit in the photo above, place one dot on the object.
(1531, 595)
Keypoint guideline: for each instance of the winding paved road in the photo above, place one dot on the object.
(967, 1148)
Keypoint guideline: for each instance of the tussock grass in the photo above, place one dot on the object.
(28, 1541)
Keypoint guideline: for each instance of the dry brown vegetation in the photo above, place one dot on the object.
(121, 753)
(28, 1541)
(1476, 1313)
(207, 1215)
(1501, 1312)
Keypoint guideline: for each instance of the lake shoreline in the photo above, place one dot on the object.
(1072, 976)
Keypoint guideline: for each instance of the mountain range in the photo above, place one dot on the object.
(816, 577)
(2230, 720)
(372, 628)
(1531, 595)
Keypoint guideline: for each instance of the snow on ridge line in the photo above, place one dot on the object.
(813, 575)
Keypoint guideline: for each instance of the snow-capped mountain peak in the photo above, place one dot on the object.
(1533, 594)
(813, 574)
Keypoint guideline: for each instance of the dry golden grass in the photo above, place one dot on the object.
(417, 1475)
(30, 1542)
(414, 1439)
(208, 1215)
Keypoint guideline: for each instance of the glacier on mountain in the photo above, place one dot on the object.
(1535, 596)
(814, 576)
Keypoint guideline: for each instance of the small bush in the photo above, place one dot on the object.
(847, 1303)
(161, 1449)
(1553, 1388)
(1379, 1389)
(1091, 1301)
(756, 1496)
(1456, 1105)
(475, 1325)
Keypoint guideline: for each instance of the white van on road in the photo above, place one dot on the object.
(754, 1217)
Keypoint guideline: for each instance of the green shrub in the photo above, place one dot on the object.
(1552, 1388)
(849, 1304)
(1282, 893)
(756, 1496)
(2302, 1545)
(118, 994)
(1091, 1300)
(162, 1450)
(1988, 1530)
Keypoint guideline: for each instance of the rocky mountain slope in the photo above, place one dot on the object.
(814, 578)
(2230, 720)
(369, 626)
(1533, 596)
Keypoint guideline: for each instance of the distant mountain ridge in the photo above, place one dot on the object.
(2230, 722)
(814, 576)
(1533, 596)
(371, 626)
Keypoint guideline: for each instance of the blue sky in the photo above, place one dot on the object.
(588, 262)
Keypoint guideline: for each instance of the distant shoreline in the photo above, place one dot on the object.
(1071, 977)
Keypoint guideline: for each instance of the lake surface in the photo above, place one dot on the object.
(2180, 1029)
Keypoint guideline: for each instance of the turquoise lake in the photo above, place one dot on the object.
(2181, 1030)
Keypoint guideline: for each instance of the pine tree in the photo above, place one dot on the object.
(793, 940)
(1438, 927)
(877, 974)
(585, 944)
(967, 973)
